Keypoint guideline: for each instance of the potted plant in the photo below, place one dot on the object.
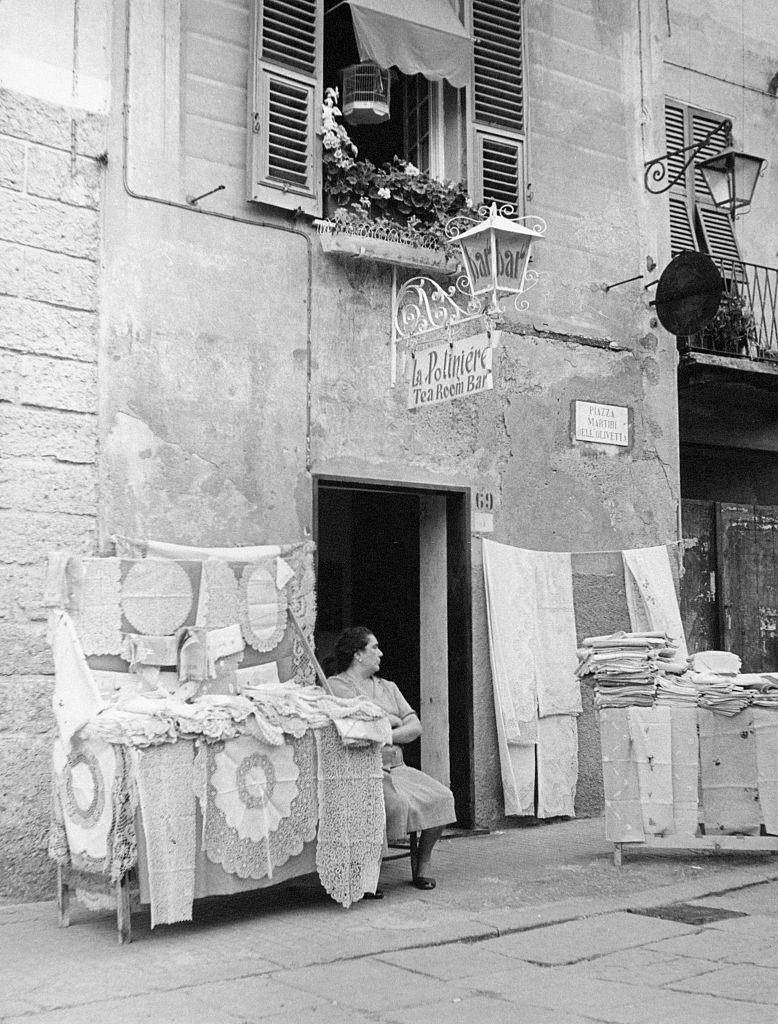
(394, 213)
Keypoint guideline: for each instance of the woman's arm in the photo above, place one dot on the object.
(408, 731)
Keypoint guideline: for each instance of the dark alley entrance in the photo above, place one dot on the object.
(396, 559)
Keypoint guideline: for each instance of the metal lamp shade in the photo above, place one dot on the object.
(495, 254)
(731, 178)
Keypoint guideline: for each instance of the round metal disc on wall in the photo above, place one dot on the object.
(688, 293)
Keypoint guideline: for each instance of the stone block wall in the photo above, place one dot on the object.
(50, 197)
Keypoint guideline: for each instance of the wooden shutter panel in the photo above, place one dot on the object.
(498, 165)
(681, 230)
(497, 102)
(718, 233)
(701, 124)
(285, 91)
(675, 138)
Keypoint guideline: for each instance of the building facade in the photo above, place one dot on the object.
(185, 360)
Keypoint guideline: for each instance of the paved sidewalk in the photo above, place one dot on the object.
(527, 925)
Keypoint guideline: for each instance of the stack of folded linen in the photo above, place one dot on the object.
(715, 676)
(623, 667)
(763, 687)
(675, 690)
(721, 694)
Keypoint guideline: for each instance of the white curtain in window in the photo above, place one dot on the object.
(417, 36)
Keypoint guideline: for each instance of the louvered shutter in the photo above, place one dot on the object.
(497, 102)
(681, 231)
(285, 96)
(716, 225)
(717, 231)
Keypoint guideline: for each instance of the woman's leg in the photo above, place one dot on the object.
(427, 840)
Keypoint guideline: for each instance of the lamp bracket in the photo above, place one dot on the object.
(422, 305)
(656, 170)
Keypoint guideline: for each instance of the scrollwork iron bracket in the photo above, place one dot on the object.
(656, 170)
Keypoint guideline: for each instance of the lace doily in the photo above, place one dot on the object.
(84, 780)
(219, 595)
(97, 615)
(263, 607)
(156, 596)
(255, 785)
(242, 856)
(124, 850)
(351, 817)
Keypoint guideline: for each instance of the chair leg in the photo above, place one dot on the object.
(414, 843)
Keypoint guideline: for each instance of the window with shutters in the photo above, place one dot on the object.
(695, 223)
(300, 47)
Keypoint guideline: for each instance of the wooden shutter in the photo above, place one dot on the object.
(694, 222)
(497, 102)
(681, 231)
(718, 234)
(285, 94)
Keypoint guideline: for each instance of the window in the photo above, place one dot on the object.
(301, 46)
(695, 223)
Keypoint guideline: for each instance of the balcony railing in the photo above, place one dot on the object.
(745, 325)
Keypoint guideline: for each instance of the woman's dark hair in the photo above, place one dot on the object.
(349, 643)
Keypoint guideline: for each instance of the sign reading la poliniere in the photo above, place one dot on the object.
(453, 368)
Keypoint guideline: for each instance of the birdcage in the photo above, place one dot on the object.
(365, 94)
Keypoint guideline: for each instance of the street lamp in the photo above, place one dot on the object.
(495, 249)
(495, 254)
(730, 176)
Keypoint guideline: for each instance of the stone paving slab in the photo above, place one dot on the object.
(483, 1009)
(652, 968)
(581, 940)
(713, 944)
(616, 1003)
(450, 962)
(744, 981)
(369, 984)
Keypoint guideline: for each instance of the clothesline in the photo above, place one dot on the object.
(613, 551)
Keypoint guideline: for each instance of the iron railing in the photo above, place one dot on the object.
(745, 325)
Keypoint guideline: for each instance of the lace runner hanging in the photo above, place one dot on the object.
(302, 602)
(165, 779)
(258, 803)
(97, 614)
(351, 817)
(219, 595)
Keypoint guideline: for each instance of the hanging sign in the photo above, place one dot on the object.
(455, 368)
(601, 423)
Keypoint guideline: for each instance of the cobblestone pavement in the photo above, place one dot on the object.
(530, 925)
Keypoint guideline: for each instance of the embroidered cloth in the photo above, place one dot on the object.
(258, 803)
(157, 596)
(76, 698)
(728, 772)
(165, 778)
(351, 817)
(86, 780)
(97, 612)
(651, 596)
(649, 734)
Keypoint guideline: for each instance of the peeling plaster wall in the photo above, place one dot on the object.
(204, 359)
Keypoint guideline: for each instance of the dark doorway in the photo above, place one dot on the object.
(396, 559)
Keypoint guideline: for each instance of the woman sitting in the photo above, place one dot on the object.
(414, 802)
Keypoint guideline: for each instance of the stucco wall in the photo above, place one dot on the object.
(50, 189)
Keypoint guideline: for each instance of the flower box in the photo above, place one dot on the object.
(383, 247)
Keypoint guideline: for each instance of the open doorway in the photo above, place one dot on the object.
(396, 559)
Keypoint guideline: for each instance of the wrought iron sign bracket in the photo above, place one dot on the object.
(657, 169)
